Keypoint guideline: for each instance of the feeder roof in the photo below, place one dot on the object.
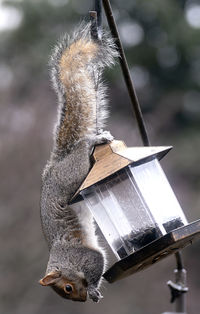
(114, 156)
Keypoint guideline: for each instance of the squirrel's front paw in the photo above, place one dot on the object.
(103, 137)
(94, 295)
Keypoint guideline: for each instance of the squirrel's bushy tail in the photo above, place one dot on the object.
(76, 70)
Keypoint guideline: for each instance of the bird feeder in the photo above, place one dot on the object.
(132, 202)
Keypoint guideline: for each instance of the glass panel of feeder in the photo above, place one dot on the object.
(127, 210)
(104, 221)
(116, 215)
(158, 195)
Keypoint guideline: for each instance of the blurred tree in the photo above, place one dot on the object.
(162, 46)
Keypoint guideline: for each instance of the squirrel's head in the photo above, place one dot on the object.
(74, 288)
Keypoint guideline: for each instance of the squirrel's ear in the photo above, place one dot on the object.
(50, 278)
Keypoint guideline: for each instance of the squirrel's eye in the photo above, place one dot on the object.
(68, 288)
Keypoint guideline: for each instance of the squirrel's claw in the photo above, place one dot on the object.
(94, 295)
(103, 137)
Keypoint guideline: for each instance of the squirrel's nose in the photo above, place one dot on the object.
(81, 298)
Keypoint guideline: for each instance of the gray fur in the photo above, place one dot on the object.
(74, 257)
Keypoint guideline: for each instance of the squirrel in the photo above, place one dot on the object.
(77, 261)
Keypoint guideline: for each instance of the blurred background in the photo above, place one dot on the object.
(162, 44)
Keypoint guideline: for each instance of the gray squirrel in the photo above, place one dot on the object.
(76, 262)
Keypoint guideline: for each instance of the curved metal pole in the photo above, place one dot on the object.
(126, 73)
(180, 305)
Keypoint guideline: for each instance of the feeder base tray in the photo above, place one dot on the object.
(154, 252)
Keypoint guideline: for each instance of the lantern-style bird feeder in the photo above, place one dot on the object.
(132, 202)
